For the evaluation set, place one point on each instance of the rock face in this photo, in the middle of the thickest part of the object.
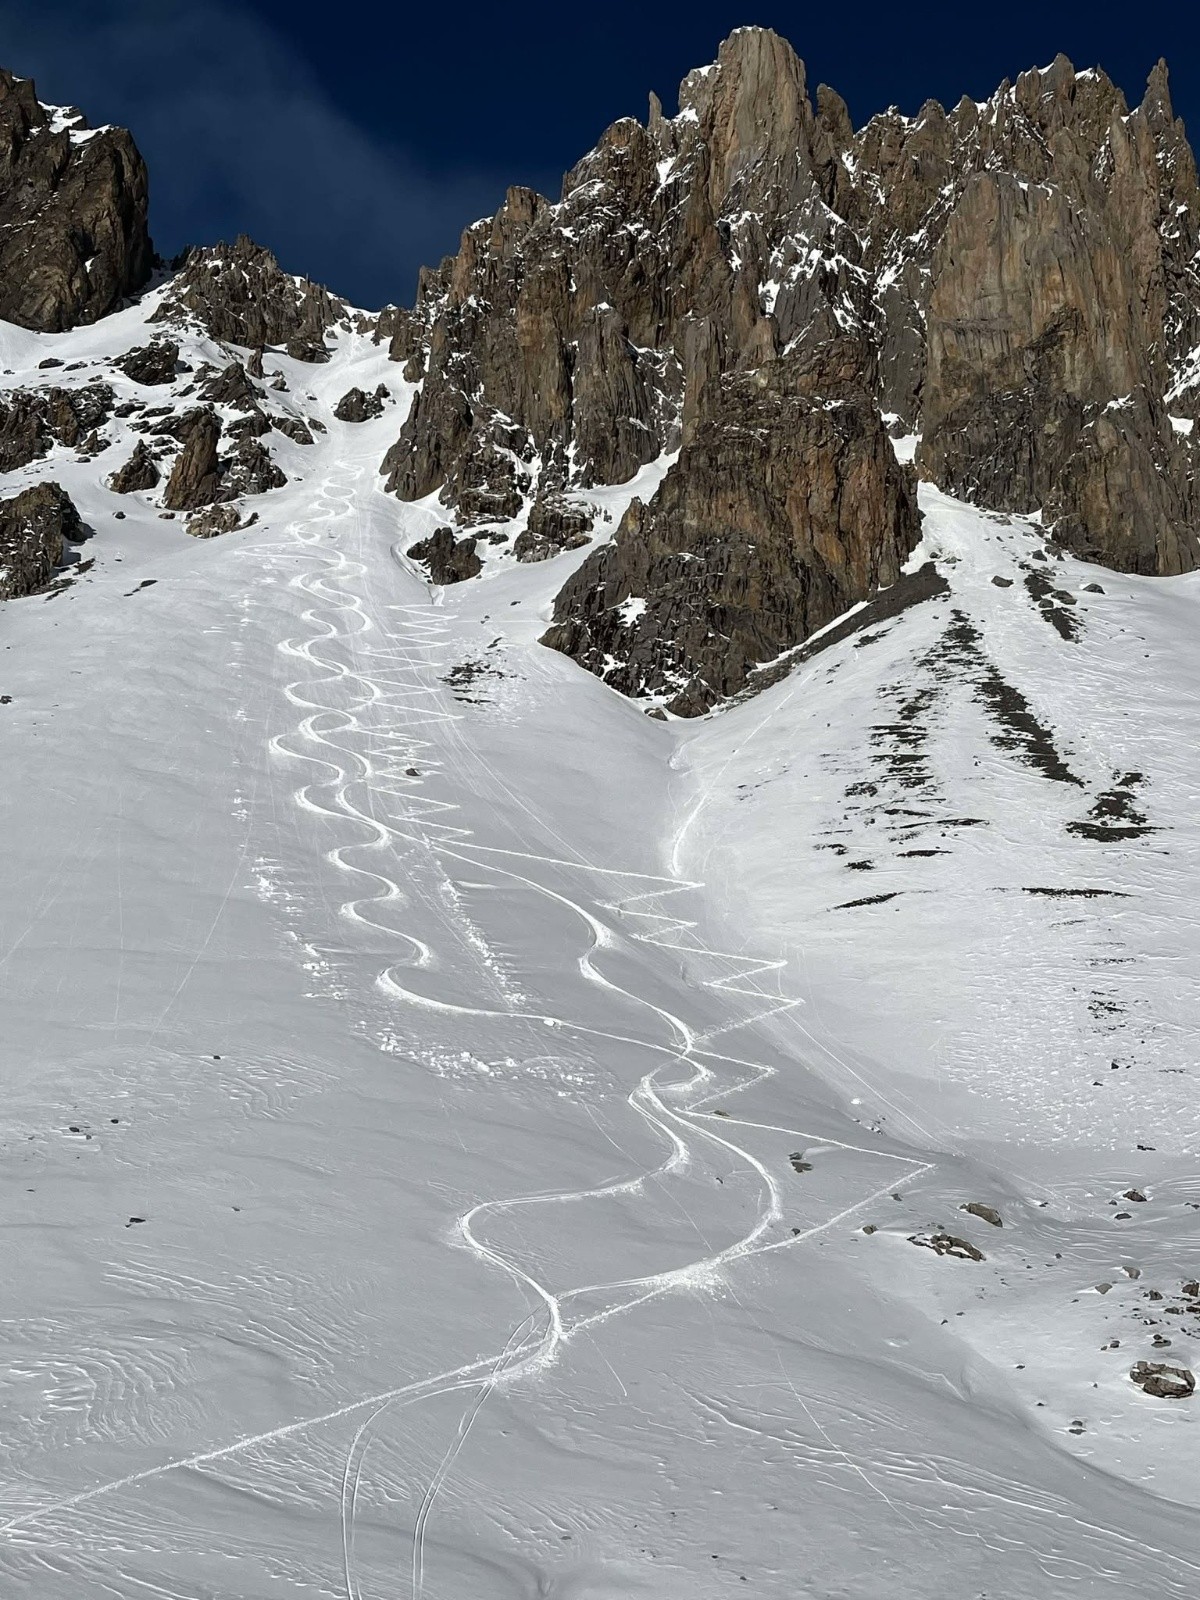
(449, 560)
(34, 420)
(34, 526)
(786, 507)
(195, 478)
(73, 205)
(1045, 377)
(139, 472)
(357, 406)
(241, 295)
(1020, 281)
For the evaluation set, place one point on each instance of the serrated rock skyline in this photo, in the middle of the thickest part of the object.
(759, 296)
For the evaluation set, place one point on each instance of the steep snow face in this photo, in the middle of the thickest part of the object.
(969, 836)
(443, 1120)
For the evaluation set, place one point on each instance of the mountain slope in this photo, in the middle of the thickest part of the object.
(467, 1137)
(502, 1104)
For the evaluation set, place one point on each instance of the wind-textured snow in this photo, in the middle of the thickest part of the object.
(445, 1107)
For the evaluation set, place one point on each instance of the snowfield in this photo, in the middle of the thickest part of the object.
(465, 1139)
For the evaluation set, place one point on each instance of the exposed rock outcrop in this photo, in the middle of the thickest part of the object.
(151, 364)
(34, 527)
(139, 472)
(202, 477)
(250, 470)
(554, 524)
(73, 203)
(231, 386)
(239, 293)
(33, 420)
(358, 406)
(785, 508)
(195, 478)
(1046, 378)
(1020, 278)
(293, 428)
(449, 560)
(214, 521)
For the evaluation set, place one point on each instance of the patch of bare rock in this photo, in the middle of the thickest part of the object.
(35, 528)
(358, 406)
(1163, 1381)
(74, 239)
(240, 295)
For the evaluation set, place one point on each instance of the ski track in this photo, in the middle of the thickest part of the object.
(439, 834)
(396, 677)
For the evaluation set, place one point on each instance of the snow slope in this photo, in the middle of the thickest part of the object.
(445, 1105)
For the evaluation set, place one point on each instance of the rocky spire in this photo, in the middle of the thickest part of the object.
(1018, 281)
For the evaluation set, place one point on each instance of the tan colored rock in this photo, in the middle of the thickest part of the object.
(1016, 278)
(1045, 339)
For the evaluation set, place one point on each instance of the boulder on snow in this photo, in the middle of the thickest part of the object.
(150, 364)
(358, 406)
(215, 520)
(1164, 1382)
(34, 526)
(449, 560)
(947, 1244)
(139, 472)
(293, 429)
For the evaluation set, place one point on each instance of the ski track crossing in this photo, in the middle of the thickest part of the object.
(374, 721)
(673, 1110)
(394, 677)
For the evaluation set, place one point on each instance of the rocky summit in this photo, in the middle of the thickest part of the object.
(770, 323)
(1009, 288)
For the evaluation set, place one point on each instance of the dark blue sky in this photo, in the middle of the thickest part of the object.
(357, 139)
